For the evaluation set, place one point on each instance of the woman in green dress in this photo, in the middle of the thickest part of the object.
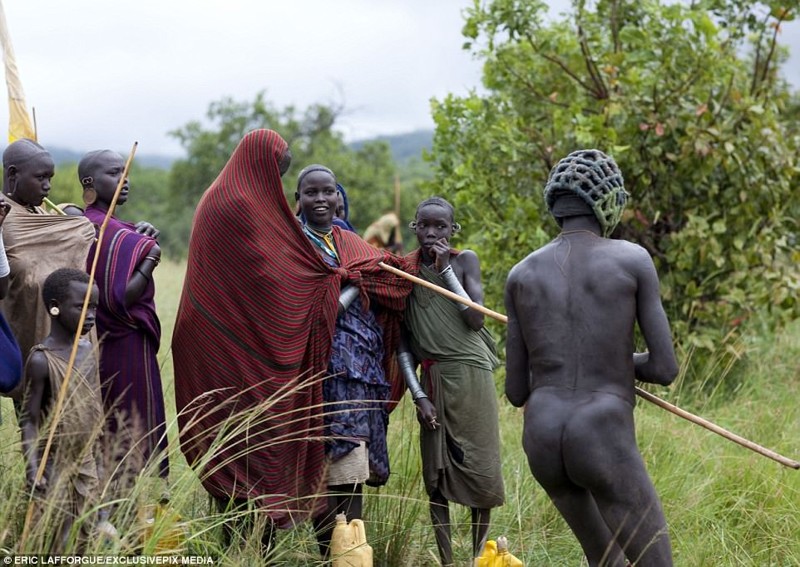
(457, 400)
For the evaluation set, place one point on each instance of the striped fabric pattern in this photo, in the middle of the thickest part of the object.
(130, 336)
(254, 330)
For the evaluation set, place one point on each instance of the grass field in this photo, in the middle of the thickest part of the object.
(725, 505)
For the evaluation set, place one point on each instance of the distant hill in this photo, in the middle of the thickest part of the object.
(66, 155)
(62, 155)
(404, 147)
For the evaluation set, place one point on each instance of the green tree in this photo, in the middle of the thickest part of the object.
(64, 187)
(148, 198)
(699, 130)
(367, 173)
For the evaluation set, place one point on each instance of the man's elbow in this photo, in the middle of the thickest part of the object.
(665, 374)
(516, 397)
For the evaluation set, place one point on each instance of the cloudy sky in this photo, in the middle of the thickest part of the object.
(106, 73)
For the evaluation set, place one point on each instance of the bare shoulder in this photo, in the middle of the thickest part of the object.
(36, 366)
(630, 248)
(633, 256)
(526, 267)
(466, 258)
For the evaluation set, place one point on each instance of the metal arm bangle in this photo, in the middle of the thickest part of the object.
(452, 283)
(347, 296)
(406, 362)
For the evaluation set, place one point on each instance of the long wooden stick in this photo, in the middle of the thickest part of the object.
(785, 461)
(446, 292)
(62, 392)
(397, 236)
(718, 430)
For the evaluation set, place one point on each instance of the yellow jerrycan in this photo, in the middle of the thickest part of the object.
(495, 554)
(349, 547)
(165, 524)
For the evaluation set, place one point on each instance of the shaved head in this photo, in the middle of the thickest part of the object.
(90, 162)
(21, 151)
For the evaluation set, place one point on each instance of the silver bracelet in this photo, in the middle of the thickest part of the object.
(347, 296)
(452, 283)
(406, 362)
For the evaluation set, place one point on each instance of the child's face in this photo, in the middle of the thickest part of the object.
(70, 309)
(433, 223)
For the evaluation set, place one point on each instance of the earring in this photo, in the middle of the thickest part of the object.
(456, 227)
(89, 196)
(412, 225)
(54, 311)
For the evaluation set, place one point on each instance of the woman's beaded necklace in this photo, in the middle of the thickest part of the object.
(324, 240)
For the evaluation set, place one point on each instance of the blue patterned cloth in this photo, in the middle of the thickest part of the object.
(356, 391)
(10, 358)
(345, 222)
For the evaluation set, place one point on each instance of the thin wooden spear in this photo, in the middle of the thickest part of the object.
(785, 461)
(62, 392)
(397, 234)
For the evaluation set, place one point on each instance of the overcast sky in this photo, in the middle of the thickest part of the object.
(105, 73)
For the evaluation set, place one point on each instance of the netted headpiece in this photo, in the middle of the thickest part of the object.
(595, 178)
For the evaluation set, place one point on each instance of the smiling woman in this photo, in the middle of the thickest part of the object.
(355, 428)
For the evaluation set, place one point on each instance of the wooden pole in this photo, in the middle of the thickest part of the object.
(446, 292)
(785, 461)
(718, 430)
(398, 237)
(62, 392)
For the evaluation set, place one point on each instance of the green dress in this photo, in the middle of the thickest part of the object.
(462, 457)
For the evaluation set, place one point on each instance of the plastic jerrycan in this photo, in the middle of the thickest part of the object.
(504, 558)
(349, 546)
(495, 554)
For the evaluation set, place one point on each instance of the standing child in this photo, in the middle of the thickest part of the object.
(127, 324)
(457, 400)
(572, 306)
(73, 474)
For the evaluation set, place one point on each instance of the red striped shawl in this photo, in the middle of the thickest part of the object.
(254, 326)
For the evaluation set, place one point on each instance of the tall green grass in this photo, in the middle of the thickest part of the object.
(725, 505)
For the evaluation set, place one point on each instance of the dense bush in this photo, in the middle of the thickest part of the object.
(685, 97)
